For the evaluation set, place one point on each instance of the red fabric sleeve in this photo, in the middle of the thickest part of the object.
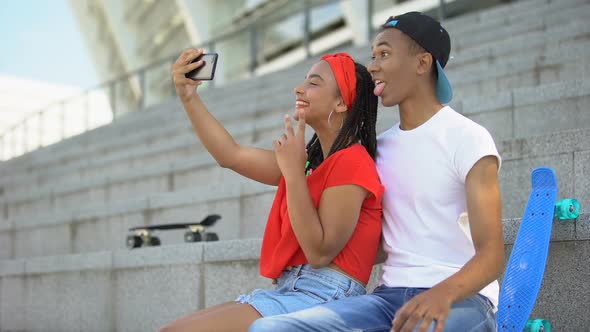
(355, 166)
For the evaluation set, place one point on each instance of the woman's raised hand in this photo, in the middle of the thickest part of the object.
(186, 87)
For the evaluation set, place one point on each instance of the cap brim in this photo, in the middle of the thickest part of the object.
(444, 91)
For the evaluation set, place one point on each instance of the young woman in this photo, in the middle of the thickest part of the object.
(324, 226)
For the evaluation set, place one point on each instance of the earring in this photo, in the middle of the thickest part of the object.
(330, 125)
(329, 116)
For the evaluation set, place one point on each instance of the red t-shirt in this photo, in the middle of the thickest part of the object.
(352, 165)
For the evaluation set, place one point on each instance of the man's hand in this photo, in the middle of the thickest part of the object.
(430, 306)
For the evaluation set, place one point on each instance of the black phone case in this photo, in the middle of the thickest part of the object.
(195, 71)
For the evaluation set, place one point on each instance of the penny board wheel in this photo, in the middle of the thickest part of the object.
(537, 325)
(211, 237)
(154, 241)
(568, 208)
(192, 237)
(134, 241)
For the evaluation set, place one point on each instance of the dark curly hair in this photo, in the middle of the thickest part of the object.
(359, 124)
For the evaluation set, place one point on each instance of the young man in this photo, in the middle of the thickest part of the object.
(435, 166)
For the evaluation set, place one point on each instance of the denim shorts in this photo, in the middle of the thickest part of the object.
(301, 288)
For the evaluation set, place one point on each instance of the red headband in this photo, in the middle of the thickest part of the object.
(343, 68)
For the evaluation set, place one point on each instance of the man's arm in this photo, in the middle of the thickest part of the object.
(484, 207)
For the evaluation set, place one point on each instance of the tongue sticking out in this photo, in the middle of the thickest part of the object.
(379, 89)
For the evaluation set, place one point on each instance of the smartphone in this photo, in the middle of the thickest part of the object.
(207, 71)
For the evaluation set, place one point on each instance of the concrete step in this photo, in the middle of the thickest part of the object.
(507, 116)
(567, 152)
(535, 19)
(524, 70)
(529, 111)
(160, 284)
(80, 226)
(243, 205)
(510, 13)
(76, 143)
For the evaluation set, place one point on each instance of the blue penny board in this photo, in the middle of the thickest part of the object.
(526, 265)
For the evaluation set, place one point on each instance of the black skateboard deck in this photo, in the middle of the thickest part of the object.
(143, 235)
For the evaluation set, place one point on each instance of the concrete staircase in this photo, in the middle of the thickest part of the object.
(521, 70)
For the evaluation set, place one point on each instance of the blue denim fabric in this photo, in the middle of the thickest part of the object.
(375, 312)
(301, 288)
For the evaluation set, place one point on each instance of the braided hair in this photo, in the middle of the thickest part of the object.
(359, 124)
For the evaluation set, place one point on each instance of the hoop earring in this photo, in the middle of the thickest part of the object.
(330, 125)
(329, 116)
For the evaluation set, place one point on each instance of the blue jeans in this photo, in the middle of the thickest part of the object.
(375, 312)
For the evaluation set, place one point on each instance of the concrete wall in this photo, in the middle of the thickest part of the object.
(244, 205)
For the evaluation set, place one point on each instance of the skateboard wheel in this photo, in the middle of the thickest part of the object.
(568, 208)
(134, 241)
(537, 325)
(155, 241)
(211, 237)
(192, 237)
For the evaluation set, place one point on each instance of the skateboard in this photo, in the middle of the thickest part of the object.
(143, 235)
(526, 266)
(565, 209)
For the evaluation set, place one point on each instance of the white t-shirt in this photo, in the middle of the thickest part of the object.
(424, 171)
